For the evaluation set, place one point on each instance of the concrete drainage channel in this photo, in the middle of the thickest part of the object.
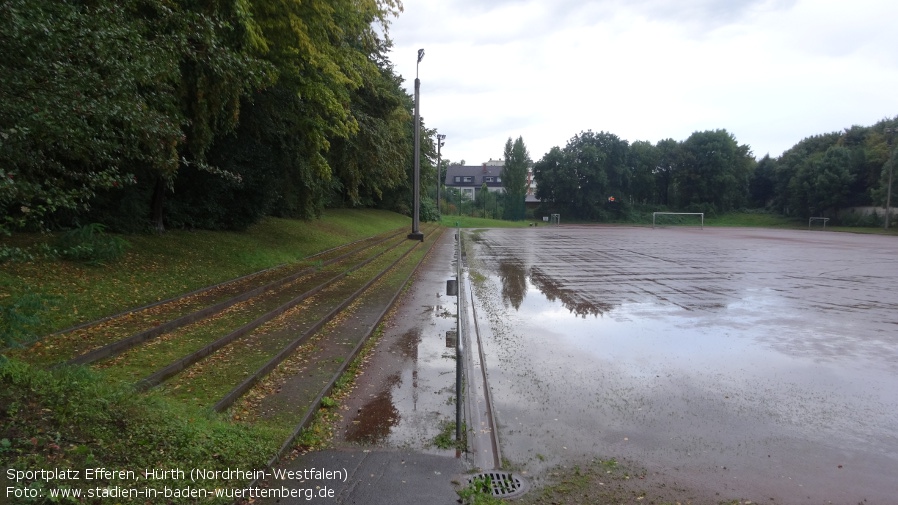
(482, 430)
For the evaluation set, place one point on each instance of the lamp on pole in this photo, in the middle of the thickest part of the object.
(889, 132)
(440, 139)
(416, 233)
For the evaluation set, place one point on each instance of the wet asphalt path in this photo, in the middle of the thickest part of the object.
(757, 364)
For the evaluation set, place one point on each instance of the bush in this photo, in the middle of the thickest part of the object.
(18, 315)
(428, 212)
(90, 244)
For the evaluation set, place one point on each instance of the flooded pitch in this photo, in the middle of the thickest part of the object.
(754, 363)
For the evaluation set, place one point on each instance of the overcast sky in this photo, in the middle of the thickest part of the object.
(771, 72)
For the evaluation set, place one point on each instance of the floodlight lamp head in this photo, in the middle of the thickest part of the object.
(420, 55)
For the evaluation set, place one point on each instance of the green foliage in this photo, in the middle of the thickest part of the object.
(80, 99)
(762, 185)
(578, 180)
(8, 253)
(127, 113)
(642, 162)
(373, 159)
(713, 169)
(94, 94)
(71, 418)
(428, 211)
(91, 245)
(20, 315)
(514, 178)
(479, 492)
(445, 439)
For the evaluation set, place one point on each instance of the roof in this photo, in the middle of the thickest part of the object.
(478, 172)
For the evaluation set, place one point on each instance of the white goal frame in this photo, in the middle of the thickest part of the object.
(702, 214)
(824, 219)
(555, 219)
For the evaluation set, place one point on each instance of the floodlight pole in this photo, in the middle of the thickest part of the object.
(440, 139)
(416, 205)
(889, 132)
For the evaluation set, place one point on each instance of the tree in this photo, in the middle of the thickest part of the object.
(373, 159)
(82, 100)
(514, 178)
(713, 170)
(823, 182)
(668, 160)
(555, 186)
(579, 179)
(763, 182)
(325, 50)
(788, 194)
(642, 162)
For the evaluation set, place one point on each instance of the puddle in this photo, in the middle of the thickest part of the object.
(374, 420)
(407, 392)
(697, 352)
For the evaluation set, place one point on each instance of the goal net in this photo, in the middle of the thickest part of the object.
(555, 219)
(675, 218)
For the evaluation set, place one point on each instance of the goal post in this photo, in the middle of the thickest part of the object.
(555, 219)
(702, 214)
(812, 219)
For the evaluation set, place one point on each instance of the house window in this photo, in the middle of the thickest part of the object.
(468, 179)
(457, 178)
(489, 179)
(498, 179)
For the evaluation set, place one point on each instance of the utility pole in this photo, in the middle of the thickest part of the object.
(416, 233)
(889, 132)
(440, 139)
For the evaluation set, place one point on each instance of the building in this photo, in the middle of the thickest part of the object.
(469, 179)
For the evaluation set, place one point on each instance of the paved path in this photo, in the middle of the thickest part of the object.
(385, 452)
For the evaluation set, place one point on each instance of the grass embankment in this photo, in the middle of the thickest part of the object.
(72, 418)
(157, 267)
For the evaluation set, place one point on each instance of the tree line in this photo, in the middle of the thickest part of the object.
(153, 114)
(599, 176)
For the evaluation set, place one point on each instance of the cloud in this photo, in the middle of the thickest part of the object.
(770, 71)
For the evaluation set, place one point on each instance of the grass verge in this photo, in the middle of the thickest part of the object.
(480, 222)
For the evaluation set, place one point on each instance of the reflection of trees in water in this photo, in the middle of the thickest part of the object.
(571, 301)
(514, 282)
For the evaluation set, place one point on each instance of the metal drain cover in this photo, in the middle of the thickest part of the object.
(501, 484)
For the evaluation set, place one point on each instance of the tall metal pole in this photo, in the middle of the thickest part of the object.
(416, 204)
(889, 132)
(440, 142)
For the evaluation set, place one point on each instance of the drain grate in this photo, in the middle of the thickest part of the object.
(499, 484)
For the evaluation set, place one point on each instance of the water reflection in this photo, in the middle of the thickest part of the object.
(514, 282)
(373, 422)
(572, 301)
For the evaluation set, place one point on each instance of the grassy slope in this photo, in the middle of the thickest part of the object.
(72, 418)
(157, 267)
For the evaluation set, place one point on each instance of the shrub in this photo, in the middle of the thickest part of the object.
(18, 315)
(90, 244)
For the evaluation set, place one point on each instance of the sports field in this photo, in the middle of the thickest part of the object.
(760, 364)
